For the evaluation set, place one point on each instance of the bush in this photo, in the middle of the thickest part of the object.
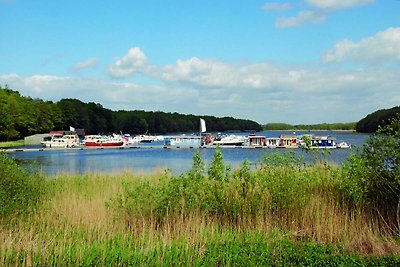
(20, 191)
(373, 176)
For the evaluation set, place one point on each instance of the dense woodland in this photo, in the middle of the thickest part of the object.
(22, 116)
(382, 117)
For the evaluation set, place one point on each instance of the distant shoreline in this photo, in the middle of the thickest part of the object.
(306, 130)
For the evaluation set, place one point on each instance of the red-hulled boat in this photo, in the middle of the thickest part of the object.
(101, 140)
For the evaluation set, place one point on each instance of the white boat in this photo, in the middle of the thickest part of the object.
(343, 145)
(60, 141)
(143, 138)
(229, 140)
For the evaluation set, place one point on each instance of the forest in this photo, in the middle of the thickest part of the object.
(382, 117)
(22, 116)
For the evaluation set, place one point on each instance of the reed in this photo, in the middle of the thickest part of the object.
(270, 215)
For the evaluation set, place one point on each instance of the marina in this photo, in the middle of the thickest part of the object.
(147, 157)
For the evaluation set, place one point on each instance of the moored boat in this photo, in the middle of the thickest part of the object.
(60, 141)
(229, 140)
(103, 140)
(343, 145)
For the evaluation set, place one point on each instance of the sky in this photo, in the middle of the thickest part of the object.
(297, 62)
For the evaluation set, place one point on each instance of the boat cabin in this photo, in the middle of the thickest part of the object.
(254, 140)
(183, 140)
(288, 141)
(272, 142)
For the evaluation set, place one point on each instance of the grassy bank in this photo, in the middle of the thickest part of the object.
(12, 143)
(283, 212)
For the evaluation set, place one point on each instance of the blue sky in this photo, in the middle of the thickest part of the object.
(308, 61)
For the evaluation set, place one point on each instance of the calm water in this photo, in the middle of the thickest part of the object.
(176, 160)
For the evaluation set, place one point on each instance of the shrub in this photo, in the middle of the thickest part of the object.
(20, 191)
(218, 170)
(372, 177)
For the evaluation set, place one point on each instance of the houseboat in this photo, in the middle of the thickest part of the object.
(256, 141)
(288, 141)
(182, 141)
(323, 142)
(272, 142)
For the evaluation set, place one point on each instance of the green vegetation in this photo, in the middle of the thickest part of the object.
(22, 116)
(283, 211)
(373, 176)
(12, 143)
(381, 118)
(323, 126)
(20, 192)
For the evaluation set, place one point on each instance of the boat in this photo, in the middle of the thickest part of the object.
(323, 142)
(142, 138)
(103, 140)
(229, 140)
(182, 141)
(343, 145)
(60, 141)
(287, 141)
(256, 141)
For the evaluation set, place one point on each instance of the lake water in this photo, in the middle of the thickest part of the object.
(176, 160)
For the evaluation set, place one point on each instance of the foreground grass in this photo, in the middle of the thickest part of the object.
(117, 220)
(12, 143)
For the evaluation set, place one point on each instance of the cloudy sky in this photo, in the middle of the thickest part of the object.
(309, 61)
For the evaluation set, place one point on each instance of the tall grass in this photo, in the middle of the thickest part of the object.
(274, 214)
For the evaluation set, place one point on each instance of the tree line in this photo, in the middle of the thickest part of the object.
(379, 118)
(21, 116)
(321, 126)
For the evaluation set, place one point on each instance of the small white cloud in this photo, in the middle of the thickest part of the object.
(135, 60)
(382, 47)
(302, 18)
(89, 63)
(274, 6)
(318, 11)
(337, 4)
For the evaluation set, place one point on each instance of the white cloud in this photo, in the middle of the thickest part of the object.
(89, 63)
(264, 92)
(319, 11)
(134, 61)
(301, 18)
(382, 47)
(274, 6)
(338, 4)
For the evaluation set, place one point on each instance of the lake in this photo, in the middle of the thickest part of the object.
(176, 160)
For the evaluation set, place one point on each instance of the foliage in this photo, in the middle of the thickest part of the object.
(280, 184)
(299, 127)
(198, 167)
(217, 169)
(20, 191)
(373, 176)
(382, 117)
(22, 116)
